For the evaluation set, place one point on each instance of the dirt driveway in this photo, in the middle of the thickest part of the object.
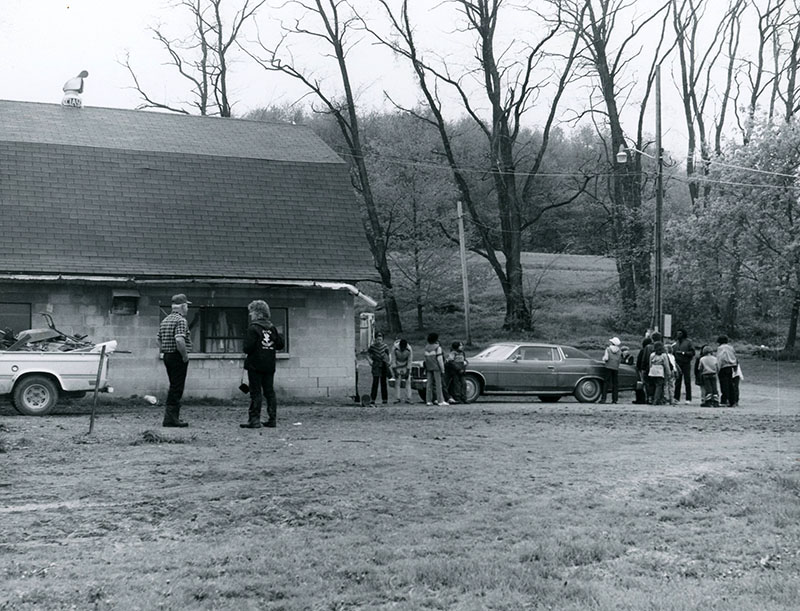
(137, 516)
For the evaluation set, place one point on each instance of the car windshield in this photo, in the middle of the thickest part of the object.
(497, 352)
(574, 353)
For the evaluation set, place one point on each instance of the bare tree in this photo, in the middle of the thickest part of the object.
(202, 58)
(508, 88)
(609, 49)
(789, 93)
(698, 81)
(759, 76)
(333, 24)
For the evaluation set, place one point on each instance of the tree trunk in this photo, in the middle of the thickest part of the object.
(518, 315)
(731, 307)
(791, 336)
(417, 271)
(633, 262)
(390, 305)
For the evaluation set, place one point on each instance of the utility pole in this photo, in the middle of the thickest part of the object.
(464, 281)
(658, 303)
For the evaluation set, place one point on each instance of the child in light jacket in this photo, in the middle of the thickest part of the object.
(402, 356)
(658, 372)
(708, 368)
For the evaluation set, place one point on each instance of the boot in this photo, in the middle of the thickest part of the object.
(272, 414)
(172, 417)
(253, 417)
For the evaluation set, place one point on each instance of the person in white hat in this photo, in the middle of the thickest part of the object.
(611, 359)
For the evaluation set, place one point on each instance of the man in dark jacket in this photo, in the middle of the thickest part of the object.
(642, 365)
(684, 353)
(261, 342)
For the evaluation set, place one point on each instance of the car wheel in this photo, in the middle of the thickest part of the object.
(549, 398)
(35, 396)
(588, 390)
(472, 388)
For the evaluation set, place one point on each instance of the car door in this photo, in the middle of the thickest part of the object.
(575, 366)
(529, 368)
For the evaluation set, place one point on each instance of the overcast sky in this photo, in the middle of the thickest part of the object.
(45, 42)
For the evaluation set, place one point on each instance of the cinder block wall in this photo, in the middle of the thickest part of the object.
(320, 362)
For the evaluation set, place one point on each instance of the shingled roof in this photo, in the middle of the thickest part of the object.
(100, 191)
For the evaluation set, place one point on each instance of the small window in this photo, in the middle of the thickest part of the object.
(574, 353)
(124, 303)
(15, 316)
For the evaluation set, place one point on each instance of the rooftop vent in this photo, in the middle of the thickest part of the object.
(73, 89)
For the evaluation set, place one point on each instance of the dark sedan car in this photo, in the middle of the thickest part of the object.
(548, 371)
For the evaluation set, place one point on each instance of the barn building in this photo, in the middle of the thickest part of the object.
(107, 213)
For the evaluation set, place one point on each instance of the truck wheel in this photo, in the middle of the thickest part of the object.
(35, 396)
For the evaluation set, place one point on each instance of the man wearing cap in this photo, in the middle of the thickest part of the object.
(611, 359)
(175, 342)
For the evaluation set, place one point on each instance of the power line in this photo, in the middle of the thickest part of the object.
(474, 170)
(713, 181)
(741, 167)
(465, 169)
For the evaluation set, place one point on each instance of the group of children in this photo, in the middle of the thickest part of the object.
(445, 372)
(662, 375)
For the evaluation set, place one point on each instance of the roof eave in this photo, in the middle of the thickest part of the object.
(133, 280)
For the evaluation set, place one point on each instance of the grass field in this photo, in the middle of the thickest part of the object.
(574, 299)
(495, 505)
(571, 297)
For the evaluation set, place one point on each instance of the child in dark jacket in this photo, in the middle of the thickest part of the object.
(454, 367)
(379, 359)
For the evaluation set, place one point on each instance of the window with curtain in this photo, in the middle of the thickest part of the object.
(221, 330)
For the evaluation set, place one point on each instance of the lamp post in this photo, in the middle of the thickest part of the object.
(657, 320)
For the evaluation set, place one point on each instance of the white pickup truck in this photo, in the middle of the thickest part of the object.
(43, 364)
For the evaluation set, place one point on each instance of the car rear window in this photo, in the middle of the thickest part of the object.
(574, 353)
(497, 352)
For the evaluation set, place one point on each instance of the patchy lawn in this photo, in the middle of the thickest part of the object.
(495, 505)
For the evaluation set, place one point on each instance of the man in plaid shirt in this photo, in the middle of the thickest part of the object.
(175, 341)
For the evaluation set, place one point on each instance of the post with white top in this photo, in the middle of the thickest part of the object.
(464, 280)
